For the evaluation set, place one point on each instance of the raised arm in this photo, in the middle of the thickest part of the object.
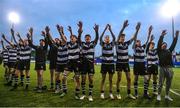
(4, 37)
(2, 43)
(80, 25)
(70, 30)
(148, 45)
(101, 41)
(122, 29)
(136, 33)
(19, 36)
(30, 41)
(46, 43)
(149, 35)
(161, 39)
(61, 33)
(43, 33)
(13, 36)
(31, 33)
(96, 29)
(48, 35)
(112, 34)
(173, 45)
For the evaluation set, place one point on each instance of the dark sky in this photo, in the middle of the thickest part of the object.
(39, 13)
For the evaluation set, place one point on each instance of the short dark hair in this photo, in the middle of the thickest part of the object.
(152, 43)
(74, 36)
(138, 41)
(57, 39)
(42, 40)
(87, 35)
(123, 34)
(164, 43)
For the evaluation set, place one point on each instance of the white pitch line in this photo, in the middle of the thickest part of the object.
(172, 91)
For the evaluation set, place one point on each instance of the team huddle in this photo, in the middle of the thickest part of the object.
(78, 56)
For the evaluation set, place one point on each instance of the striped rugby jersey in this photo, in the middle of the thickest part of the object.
(107, 53)
(139, 54)
(5, 55)
(62, 54)
(73, 51)
(12, 55)
(152, 57)
(122, 51)
(88, 50)
(24, 53)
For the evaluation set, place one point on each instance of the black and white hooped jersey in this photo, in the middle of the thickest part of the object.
(62, 54)
(152, 57)
(12, 55)
(24, 53)
(73, 51)
(88, 50)
(139, 54)
(107, 53)
(5, 55)
(122, 51)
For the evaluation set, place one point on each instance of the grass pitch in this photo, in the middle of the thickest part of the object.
(29, 98)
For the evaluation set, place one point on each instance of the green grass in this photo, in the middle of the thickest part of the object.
(23, 98)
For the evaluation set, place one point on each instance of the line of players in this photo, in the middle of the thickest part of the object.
(78, 56)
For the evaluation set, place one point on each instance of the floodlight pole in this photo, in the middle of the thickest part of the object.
(172, 26)
(173, 35)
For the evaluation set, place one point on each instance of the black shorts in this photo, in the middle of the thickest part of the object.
(139, 68)
(23, 65)
(40, 66)
(88, 67)
(122, 67)
(12, 64)
(61, 67)
(107, 68)
(80, 66)
(152, 69)
(52, 64)
(72, 66)
(5, 64)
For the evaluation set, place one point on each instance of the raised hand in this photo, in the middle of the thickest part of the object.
(69, 28)
(109, 27)
(47, 29)
(58, 27)
(150, 29)
(177, 33)
(18, 35)
(96, 28)
(61, 29)
(43, 33)
(12, 31)
(28, 35)
(31, 31)
(3, 36)
(80, 25)
(164, 32)
(152, 37)
(138, 26)
(2, 42)
(125, 24)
